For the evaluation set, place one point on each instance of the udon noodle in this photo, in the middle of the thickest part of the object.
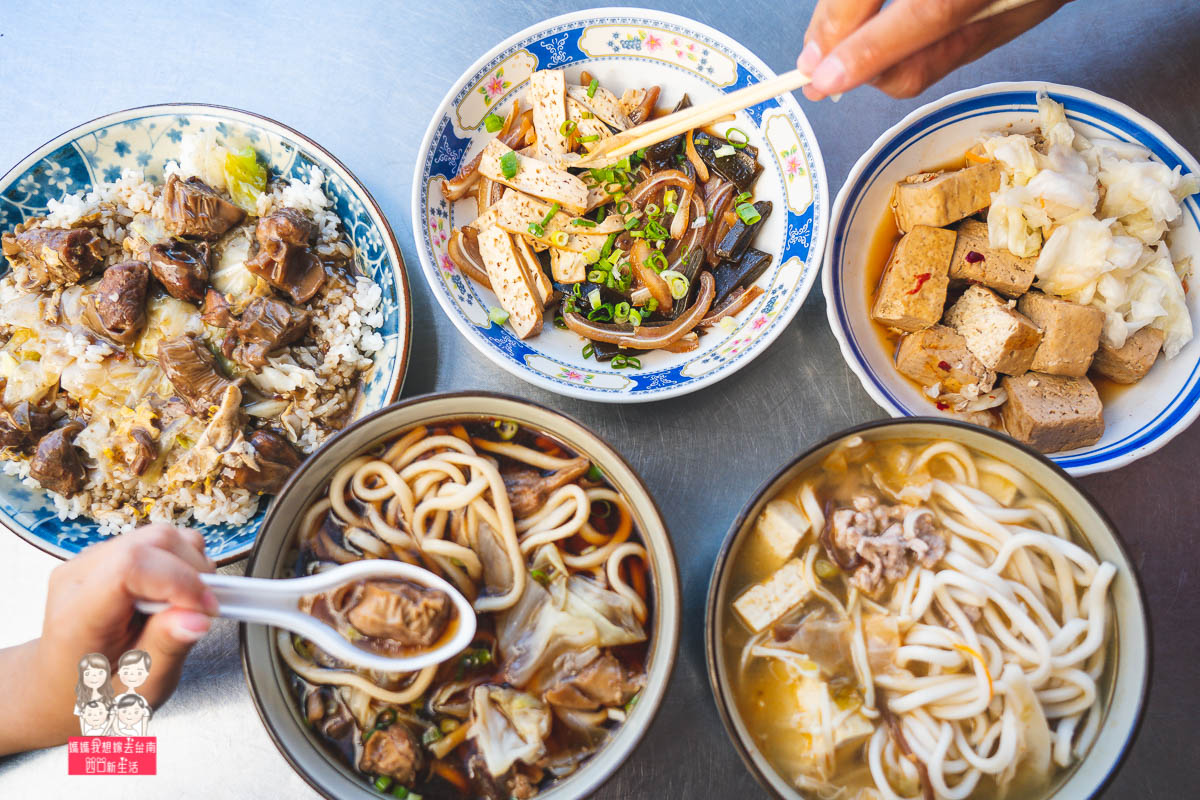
(547, 553)
(928, 624)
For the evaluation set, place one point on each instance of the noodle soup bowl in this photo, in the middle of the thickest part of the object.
(276, 550)
(1122, 687)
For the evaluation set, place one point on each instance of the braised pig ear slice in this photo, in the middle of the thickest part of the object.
(56, 464)
(266, 326)
(193, 208)
(193, 372)
(116, 308)
(182, 268)
(52, 257)
(22, 426)
(284, 258)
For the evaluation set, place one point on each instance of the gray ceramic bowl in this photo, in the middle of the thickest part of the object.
(274, 551)
(1131, 643)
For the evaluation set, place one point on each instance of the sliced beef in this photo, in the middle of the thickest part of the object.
(284, 258)
(182, 268)
(22, 426)
(528, 489)
(266, 326)
(193, 208)
(216, 310)
(602, 683)
(193, 372)
(397, 610)
(276, 461)
(869, 541)
(52, 257)
(56, 464)
(392, 751)
(116, 308)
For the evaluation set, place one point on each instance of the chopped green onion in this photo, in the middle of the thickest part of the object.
(535, 229)
(614, 188)
(430, 736)
(539, 576)
(554, 209)
(653, 210)
(702, 140)
(632, 702)
(623, 165)
(826, 570)
(592, 87)
(621, 361)
(621, 312)
(493, 123)
(594, 473)
(631, 223)
(559, 322)
(741, 198)
(383, 783)
(506, 428)
(567, 128)
(498, 315)
(669, 197)
(656, 261)
(738, 143)
(403, 793)
(594, 297)
(596, 276)
(624, 207)
(651, 305)
(583, 223)
(588, 115)
(509, 164)
(588, 349)
(592, 137)
(601, 214)
(748, 213)
(635, 317)
(641, 154)
(680, 158)
(672, 208)
(602, 313)
(656, 231)
(724, 150)
(608, 245)
(591, 255)
(559, 238)
(677, 282)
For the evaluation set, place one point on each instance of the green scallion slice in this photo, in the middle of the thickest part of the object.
(748, 214)
(493, 123)
(509, 164)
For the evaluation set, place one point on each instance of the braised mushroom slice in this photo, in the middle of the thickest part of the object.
(52, 257)
(528, 488)
(193, 208)
(403, 612)
(182, 268)
(284, 258)
(116, 307)
(146, 450)
(391, 751)
(56, 464)
(22, 426)
(193, 372)
(276, 460)
(266, 326)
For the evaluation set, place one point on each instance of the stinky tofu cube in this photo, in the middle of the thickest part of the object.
(938, 356)
(782, 527)
(940, 198)
(1070, 333)
(975, 261)
(1000, 337)
(1052, 412)
(764, 603)
(1131, 362)
(912, 291)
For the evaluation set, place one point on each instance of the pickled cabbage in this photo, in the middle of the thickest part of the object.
(245, 177)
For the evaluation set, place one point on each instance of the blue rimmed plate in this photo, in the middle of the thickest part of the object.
(626, 48)
(1138, 419)
(146, 138)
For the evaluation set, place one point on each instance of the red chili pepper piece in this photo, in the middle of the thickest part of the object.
(924, 276)
(944, 366)
(974, 257)
(942, 406)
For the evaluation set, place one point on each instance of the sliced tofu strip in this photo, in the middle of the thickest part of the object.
(604, 104)
(516, 212)
(547, 93)
(533, 268)
(764, 603)
(567, 267)
(535, 177)
(782, 527)
(510, 282)
(586, 124)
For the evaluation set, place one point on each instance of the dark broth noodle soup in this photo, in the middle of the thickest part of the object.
(548, 554)
(915, 619)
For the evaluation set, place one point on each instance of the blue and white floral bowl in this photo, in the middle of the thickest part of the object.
(624, 48)
(1138, 419)
(146, 138)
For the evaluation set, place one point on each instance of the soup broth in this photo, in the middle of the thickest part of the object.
(916, 619)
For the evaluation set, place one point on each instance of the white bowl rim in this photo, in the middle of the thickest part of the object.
(864, 373)
(821, 219)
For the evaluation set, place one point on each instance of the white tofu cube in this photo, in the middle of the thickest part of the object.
(765, 602)
(782, 527)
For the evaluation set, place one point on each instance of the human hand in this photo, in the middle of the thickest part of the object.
(908, 45)
(90, 609)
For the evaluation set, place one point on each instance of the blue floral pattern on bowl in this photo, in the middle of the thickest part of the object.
(145, 139)
(637, 49)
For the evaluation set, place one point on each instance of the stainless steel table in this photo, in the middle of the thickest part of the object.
(363, 79)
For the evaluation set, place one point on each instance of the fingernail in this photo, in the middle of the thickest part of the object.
(210, 603)
(810, 56)
(830, 76)
(189, 626)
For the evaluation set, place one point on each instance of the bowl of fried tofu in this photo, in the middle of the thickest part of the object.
(1017, 256)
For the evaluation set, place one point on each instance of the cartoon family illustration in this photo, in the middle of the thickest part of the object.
(102, 714)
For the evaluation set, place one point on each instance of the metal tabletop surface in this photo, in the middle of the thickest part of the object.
(363, 80)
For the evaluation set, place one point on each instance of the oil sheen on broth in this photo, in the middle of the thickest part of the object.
(915, 618)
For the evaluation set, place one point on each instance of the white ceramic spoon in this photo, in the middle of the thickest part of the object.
(270, 601)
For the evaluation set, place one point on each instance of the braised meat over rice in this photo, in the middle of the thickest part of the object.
(170, 350)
